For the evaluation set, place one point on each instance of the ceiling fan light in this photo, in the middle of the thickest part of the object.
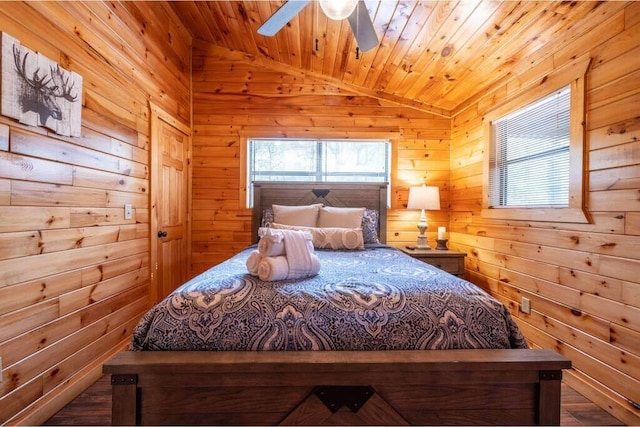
(338, 9)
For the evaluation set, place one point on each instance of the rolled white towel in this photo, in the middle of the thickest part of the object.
(253, 261)
(271, 245)
(273, 268)
(271, 242)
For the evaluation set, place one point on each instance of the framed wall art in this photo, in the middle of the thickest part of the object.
(38, 92)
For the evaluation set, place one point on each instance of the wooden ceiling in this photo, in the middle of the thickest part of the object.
(433, 54)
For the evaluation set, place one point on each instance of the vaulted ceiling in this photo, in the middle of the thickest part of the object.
(433, 54)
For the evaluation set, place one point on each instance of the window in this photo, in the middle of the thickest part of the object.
(529, 164)
(534, 169)
(322, 160)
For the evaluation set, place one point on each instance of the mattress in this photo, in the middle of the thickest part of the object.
(373, 299)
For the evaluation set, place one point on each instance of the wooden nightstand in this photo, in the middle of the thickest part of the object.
(449, 261)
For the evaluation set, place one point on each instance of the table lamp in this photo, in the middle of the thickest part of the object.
(423, 198)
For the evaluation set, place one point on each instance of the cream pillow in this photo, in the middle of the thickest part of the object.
(297, 215)
(331, 237)
(330, 216)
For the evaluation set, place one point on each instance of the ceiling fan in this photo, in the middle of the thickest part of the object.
(353, 10)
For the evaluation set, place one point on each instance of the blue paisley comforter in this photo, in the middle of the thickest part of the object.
(376, 299)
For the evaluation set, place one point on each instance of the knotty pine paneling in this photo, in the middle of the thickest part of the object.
(233, 98)
(582, 279)
(435, 55)
(74, 274)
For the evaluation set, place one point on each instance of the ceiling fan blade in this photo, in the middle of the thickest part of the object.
(362, 27)
(280, 17)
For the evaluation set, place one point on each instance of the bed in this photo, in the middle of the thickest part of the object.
(376, 338)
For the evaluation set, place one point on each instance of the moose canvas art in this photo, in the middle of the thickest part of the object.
(36, 91)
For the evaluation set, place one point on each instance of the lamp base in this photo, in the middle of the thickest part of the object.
(422, 242)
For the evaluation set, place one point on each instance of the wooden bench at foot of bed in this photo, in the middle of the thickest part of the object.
(443, 387)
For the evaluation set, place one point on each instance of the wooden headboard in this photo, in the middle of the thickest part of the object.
(357, 195)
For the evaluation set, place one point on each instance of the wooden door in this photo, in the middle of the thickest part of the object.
(170, 193)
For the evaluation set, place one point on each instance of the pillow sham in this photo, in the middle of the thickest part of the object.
(370, 226)
(330, 237)
(306, 215)
(330, 216)
(267, 217)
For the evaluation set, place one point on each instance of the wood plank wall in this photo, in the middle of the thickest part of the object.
(583, 280)
(74, 274)
(235, 98)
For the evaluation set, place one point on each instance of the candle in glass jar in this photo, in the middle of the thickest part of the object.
(441, 231)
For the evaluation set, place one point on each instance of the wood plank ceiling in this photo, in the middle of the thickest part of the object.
(433, 55)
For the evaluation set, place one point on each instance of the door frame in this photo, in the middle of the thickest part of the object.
(158, 115)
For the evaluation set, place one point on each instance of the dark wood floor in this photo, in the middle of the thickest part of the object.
(93, 408)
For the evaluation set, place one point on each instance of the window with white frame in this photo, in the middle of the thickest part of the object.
(534, 152)
(529, 164)
(323, 160)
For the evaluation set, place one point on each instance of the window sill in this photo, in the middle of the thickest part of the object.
(572, 215)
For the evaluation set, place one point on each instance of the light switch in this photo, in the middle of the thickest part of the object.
(128, 211)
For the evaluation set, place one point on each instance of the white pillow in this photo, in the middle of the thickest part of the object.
(340, 217)
(330, 238)
(296, 215)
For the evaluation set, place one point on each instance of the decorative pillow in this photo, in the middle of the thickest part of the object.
(370, 226)
(267, 217)
(330, 238)
(306, 216)
(340, 217)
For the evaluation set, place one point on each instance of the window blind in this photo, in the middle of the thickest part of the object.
(529, 160)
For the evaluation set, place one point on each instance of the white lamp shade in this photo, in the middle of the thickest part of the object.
(427, 198)
(338, 9)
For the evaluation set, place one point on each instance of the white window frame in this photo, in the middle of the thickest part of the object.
(572, 75)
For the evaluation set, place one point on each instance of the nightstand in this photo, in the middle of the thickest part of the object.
(449, 261)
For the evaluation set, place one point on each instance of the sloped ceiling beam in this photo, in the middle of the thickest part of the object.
(227, 54)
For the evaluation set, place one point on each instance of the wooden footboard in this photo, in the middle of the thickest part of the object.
(512, 387)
